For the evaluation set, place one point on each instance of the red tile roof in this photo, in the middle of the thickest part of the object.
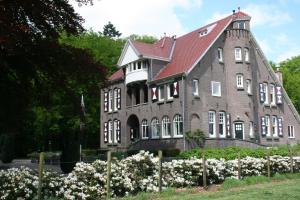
(188, 49)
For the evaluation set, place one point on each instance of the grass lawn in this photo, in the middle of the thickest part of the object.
(280, 187)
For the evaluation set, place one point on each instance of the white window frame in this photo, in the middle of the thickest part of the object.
(195, 87)
(251, 127)
(161, 90)
(110, 131)
(155, 128)
(240, 81)
(238, 53)
(165, 127)
(266, 91)
(110, 101)
(169, 85)
(220, 54)
(213, 93)
(249, 86)
(268, 130)
(115, 99)
(291, 132)
(177, 123)
(212, 120)
(115, 131)
(247, 55)
(145, 130)
(272, 95)
(274, 126)
(222, 122)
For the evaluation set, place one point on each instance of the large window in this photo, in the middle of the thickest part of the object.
(115, 99)
(222, 124)
(220, 54)
(268, 132)
(161, 93)
(238, 54)
(212, 123)
(170, 90)
(115, 131)
(246, 50)
(178, 125)
(166, 127)
(145, 132)
(291, 132)
(155, 128)
(196, 87)
(266, 93)
(249, 86)
(110, 101)
(216, 88)
(240, 81)
(274, 126)
(110, 131)
(272, 95)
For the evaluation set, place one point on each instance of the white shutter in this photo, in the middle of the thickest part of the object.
(119, 131)
(263, 126)
(154, 93)
(105, 102)
(278, 95)
(119, 99)
(280, 127)
(105, 132)
(176, 89)
(228, 125)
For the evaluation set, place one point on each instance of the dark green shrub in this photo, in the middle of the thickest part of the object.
(197, 136)
(7, 148)
(70, 154)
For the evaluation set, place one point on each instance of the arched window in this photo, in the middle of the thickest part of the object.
(177, 125)
(166, 127)
(155, 128)
(145, 132)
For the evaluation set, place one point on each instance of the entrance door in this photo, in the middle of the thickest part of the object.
(239, 130)
(133, 127)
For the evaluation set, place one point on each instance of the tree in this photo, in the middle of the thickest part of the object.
(109, 30)
(36, 70)
(144, 38)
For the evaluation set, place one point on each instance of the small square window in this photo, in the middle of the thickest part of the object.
(238, 54)
(195, 87)
(216, 89)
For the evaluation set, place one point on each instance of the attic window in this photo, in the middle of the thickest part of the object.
(206, 30)
(241, 25)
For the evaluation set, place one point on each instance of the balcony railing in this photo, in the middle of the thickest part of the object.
(136, 75)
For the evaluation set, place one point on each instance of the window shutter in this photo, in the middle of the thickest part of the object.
(278, 94)
(228, 123)
(105, 133)
(261, 92)
(119, 99)
(263, 126)
(119, 131)
(176, 89)
(280, 127)
(105, 101)
(154, 93)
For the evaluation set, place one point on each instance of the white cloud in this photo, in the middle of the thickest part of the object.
(265, 46)
(151, 17)
(295, 51)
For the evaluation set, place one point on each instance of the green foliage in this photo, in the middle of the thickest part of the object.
(229, 153)
(144, 38)
(198, 136)
(7, 148)
(47, 155)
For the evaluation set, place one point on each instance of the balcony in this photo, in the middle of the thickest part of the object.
(136, 75)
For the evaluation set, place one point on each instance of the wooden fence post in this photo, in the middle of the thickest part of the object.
(291, 161)
(239, 166)
(108, 174)
(160, 170)
(204, 172)
(41, 170)
(269, 165)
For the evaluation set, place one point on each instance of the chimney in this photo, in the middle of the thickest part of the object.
(278, 73)
(233, 12)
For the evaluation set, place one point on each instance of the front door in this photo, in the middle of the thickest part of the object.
(239, 130)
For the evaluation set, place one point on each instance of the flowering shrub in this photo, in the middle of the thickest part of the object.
(131, 175)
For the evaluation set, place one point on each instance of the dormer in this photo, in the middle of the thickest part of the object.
(241, 21)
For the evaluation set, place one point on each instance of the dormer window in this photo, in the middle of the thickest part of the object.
(241, 25)
(206, 30)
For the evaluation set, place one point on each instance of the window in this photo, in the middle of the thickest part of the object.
(251, 135)
(155, 128)
(166, 127)
(241, 25)
(274, 126)
(178, 125)
(196, 87)
(272, 95)
(240, 81)
(238, 54)
(268, 126)
(139, 65)
(215, 88)
(110, 132)
(145, 133)
(145, 91)
(249, 86)
(115, 99)
(115, 130)
(170, 91)
(220, 54)
(110, 101)
(266, 93)
(161, 93)
(291, 131)
(212, 123)
(222, 125)
(246, 50)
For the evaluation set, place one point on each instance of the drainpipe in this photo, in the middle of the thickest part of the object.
(183, 110)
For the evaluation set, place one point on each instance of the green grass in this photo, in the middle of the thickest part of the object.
(286, 186)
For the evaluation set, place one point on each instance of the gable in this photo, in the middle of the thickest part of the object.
(128, 55)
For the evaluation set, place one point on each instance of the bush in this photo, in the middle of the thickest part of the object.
(70, 156)
(7, 148)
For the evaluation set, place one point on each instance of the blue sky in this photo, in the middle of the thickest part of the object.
(274, 23)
